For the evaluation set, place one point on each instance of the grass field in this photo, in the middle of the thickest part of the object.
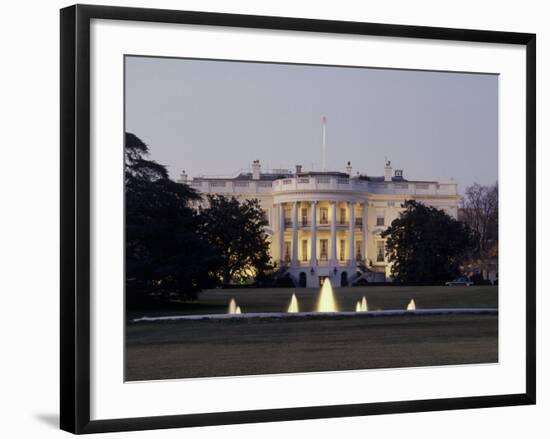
(185, 349)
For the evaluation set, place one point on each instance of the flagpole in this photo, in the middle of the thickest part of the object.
(324, 143)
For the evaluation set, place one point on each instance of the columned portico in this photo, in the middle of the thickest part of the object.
(302, 232)
(320, 238)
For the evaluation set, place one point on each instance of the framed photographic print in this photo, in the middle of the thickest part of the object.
(274, 218)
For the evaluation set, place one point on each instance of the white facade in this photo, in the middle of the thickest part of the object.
(328, 224)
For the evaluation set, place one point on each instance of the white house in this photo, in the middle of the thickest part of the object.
(328, 224)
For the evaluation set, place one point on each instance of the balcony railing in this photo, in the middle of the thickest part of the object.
(229, 185)
(307, 223)
(345, 184)
(324, 262)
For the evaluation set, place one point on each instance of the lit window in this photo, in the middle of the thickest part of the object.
(287, 251)
(358, 254)
(342, 215)
(304, 216)
(380, 247)
(323, 211)
(287, 217)
(324, 249)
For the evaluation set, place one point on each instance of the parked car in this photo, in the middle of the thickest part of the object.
(462, 280)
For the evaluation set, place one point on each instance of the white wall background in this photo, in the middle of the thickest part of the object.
(29, 201)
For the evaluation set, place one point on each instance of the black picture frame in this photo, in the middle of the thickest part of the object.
(75, 217)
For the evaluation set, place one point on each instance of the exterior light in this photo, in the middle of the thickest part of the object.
(312, 271)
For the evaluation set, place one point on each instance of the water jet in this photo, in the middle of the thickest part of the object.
(293, 306)
(232, 306)
(364, 306)
(327, 302)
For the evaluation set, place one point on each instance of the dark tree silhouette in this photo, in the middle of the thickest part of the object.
(235, 229)
(426, 245)
(165, 255)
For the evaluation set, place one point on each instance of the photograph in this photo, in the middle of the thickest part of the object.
(275, 219)
(298, 218)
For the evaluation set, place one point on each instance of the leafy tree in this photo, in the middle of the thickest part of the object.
(426, 245)
(235, 230)
(165, 255)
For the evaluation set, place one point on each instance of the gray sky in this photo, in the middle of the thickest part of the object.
(215, 117)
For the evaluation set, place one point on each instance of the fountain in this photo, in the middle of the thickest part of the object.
(293, 306)
(326, 302)
(232, 306)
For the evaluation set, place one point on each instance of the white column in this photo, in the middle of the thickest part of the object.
(295, 233)
(281, 232)
(364, 249)
(333, 260)
(351, 206)
(313, 256)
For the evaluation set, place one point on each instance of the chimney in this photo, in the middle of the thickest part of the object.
(256, 170)
(388, 171)
(298, 169)
(183, 177)
(348, 169)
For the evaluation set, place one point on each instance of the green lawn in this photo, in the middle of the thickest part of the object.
(187, 349)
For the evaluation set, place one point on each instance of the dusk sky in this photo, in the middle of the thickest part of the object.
(215, 117)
